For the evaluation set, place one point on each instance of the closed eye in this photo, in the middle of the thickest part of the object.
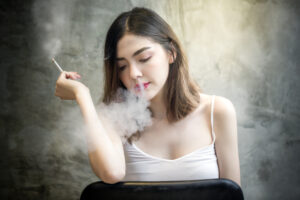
(121, 68)
(145, 60)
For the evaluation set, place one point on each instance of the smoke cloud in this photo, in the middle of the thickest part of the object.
(52, 20)
(128, 114)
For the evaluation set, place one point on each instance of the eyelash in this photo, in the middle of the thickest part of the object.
(142, 60)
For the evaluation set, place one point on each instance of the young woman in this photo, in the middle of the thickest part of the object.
(193, 135)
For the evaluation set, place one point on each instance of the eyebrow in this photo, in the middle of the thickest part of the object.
(135, 53)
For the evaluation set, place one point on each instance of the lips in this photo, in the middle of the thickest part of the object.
(146, 85)
(137, 86)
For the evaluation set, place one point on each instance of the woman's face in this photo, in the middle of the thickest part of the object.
(140, 59)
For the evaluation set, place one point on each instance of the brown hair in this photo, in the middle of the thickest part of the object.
(181, 92)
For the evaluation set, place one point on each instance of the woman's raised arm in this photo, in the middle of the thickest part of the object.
(106, 152)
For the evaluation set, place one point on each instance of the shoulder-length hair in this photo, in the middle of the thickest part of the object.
(182, 93)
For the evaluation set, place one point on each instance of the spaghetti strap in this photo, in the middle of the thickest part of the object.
(212, 118)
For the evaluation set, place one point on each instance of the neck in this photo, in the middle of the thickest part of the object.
(158, 108)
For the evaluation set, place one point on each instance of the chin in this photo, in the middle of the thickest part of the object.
(148, 95)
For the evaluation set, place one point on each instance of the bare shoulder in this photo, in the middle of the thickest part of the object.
(223, 108)
(224, 115)
(223, 111)
(221, 104)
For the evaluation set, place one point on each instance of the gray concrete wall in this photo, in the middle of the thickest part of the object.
(245, 50)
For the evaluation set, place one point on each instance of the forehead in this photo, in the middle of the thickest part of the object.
(129, 43)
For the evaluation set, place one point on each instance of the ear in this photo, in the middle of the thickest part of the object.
(172, 56)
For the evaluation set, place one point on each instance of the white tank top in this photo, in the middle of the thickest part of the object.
(197, 165)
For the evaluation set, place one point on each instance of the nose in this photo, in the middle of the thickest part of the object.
(135, 72)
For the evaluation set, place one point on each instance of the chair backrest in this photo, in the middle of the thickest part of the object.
(212, 189)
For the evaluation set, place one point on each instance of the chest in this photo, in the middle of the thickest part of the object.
(172, 141)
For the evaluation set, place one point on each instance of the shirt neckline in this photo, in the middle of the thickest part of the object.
(173, 160)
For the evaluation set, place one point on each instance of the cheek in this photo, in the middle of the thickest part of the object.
(124, 79)
(159, 68)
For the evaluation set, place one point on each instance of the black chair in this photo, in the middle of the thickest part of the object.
(212, 189)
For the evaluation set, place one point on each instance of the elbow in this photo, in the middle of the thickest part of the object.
(113, 177)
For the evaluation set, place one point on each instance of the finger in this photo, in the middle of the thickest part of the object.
(75, 76)
(63, 75)
(78, 76)
(76, 73)
(70, 75)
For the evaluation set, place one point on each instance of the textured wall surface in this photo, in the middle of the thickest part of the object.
(245, 50)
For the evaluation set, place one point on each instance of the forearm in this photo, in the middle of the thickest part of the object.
(105, 159)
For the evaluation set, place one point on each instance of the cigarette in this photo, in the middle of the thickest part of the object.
(57, 65)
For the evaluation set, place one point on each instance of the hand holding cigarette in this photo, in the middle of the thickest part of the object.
(72, 75)
(68, 89)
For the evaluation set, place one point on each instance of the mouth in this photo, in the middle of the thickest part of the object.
(145, 85)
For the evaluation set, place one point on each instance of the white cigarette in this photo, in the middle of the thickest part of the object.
(57, 65)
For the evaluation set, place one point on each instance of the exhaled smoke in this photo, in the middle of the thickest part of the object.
(52, 47)
(51, 18)
(127, 114)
